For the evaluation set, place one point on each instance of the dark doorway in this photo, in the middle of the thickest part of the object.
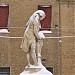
(46, 22)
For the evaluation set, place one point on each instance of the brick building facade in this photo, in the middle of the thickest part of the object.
(59, 55)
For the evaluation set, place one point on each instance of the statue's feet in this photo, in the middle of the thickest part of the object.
(35, 64)
(29, 65)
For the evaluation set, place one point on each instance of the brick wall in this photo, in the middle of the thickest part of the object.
(59, 55)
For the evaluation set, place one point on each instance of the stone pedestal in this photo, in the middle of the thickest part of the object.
(36, 70)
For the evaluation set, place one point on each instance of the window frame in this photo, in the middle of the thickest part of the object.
(5, 29)
(43, 7)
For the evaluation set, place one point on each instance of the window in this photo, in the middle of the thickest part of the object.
(4, 16)
(4, 70)
(50, 69)
(46, 22)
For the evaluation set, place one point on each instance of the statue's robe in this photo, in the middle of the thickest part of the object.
(31, 33)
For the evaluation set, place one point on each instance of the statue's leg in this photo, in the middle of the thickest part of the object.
(33, 53)
(39, 47)
(28, 58)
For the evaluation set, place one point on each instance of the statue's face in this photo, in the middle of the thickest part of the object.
(42, 16)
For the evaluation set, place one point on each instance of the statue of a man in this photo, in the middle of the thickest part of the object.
(31, 35)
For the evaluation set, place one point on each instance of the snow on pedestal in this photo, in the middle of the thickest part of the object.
(36, 70)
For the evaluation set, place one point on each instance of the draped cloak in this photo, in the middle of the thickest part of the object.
(31, 33)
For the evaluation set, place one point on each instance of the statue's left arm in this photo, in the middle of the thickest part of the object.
(36, 26)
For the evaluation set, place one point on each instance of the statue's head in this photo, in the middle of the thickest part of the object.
(41, 14)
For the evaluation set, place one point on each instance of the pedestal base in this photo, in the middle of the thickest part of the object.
(39, 70)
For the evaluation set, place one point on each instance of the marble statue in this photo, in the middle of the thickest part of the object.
(32, 38)
(32, 43)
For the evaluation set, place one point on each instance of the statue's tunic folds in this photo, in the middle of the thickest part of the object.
(31, 33)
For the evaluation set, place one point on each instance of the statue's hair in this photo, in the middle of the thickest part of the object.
(41, 13)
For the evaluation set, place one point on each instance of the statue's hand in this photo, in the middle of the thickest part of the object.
(41, 35)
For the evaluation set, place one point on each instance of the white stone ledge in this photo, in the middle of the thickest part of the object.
(46, 31)
(4, 31)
